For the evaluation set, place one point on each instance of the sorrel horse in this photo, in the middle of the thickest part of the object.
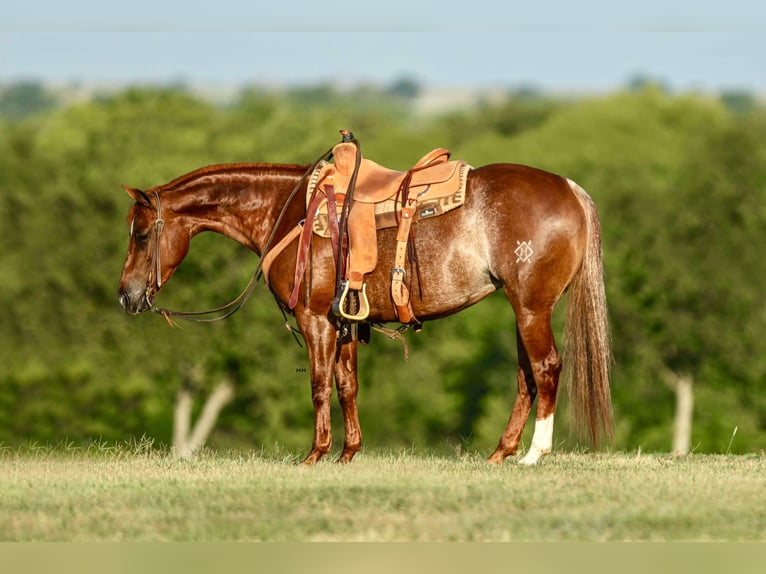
(531, 233)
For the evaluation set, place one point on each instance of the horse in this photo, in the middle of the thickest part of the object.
(529, 232)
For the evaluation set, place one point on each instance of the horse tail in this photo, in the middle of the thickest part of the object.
(587, 349)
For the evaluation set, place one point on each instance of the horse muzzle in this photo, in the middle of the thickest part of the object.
(134, 303)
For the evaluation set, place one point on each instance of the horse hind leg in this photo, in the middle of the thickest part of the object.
(545, 363)
(522, 406)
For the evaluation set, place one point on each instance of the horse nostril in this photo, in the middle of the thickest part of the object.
(124, 300)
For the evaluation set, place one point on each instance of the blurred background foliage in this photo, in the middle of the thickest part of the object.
(679, 180)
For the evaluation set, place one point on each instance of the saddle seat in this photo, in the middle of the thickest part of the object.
(375, 183)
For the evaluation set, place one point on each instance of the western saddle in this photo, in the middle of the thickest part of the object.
(363, 196)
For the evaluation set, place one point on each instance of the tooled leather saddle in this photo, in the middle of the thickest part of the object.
(380, 198)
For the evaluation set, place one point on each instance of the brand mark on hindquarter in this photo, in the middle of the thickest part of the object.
(523, 251)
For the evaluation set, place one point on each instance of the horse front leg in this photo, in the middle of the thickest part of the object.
(347, 383)
(320, 336)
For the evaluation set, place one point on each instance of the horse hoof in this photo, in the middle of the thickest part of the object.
(496, 457)
(532, 457)
(313, 458)
(348, 454)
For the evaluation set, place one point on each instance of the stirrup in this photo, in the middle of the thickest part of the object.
(352, 303)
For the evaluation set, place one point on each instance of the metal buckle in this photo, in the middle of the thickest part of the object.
(396, 270)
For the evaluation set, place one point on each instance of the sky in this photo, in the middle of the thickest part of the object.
(592, 45)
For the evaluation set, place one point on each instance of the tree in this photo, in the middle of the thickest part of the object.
(188, 439)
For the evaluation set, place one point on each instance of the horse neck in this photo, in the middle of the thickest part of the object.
(240, 201)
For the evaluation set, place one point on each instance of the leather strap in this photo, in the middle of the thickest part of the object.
(303, 251)
(345, 150)
(332, 218)
(272, 254)
(159, 225)
(399, 292)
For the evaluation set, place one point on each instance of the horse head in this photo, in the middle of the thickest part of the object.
(157, 244)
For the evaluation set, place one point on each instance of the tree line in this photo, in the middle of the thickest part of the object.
(679, 181)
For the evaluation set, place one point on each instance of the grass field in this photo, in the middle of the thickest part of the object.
(135, 494)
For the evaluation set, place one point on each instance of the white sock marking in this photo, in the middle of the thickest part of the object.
(542, 441)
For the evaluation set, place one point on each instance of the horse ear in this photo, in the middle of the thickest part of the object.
(138, 195)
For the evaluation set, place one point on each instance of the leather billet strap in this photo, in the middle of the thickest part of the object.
(399, 292)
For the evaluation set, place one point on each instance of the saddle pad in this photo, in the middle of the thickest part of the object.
(433, 200)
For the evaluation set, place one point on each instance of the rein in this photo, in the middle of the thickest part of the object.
(227, 310)
(343, 220)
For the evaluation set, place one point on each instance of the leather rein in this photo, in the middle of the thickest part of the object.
(153, 284)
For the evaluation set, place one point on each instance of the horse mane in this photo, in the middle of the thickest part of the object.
(230, 169)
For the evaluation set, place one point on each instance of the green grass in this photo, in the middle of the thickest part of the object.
(140, 494)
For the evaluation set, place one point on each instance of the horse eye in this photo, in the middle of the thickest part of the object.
(142, 238)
